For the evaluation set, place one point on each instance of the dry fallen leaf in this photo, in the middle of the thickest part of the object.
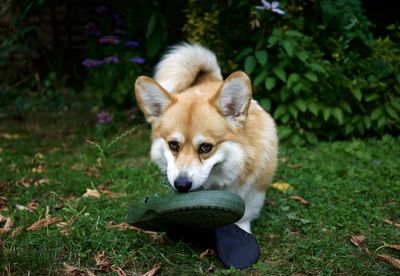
(207, 252)
(390, 222)
(91, 193)
(295, 166)
(122, 226)
(78, 167)
(9, 136)
(357, 239)
(153, 271)
(282, 186)
(103, 189)
(65, 227)
(3, 203)
(71, 270)
(43, 223)
(102, 261)
(16, 232)
(391, 260)
(21, 207)
(7, 226)
(394, 246)
(39, 169)
(119, 270)
(300, 200)
(93, 171)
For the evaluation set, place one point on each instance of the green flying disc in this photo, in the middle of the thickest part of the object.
(197, 210)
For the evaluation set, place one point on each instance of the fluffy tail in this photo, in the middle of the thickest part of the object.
(184, 65)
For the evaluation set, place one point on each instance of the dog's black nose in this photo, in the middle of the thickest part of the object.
(182, 184)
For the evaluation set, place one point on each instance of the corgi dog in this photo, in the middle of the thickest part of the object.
(208, 133)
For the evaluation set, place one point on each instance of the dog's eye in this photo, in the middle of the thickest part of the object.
(205, 148)
(174, 145)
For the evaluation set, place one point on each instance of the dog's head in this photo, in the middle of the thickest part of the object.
(195, 133)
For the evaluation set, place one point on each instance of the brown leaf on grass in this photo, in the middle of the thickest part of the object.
(153, 271)
(93, 171)
(206, 253)
(71, 270)
(7, 226)
(3, 203)
(78, 167)
(9, 136)
(21, 207)
(39, 169)
(65, 227)
(389, 259)
(13, 167)
(394, 246)
(91, 193)
(43, 223)
(33, 205)
(118, 270)
(25, 182)
(41, 182)
(390, 222)
(300, 200)
(16, 232)
(284, 159)
(103, 189)
(357, 240)
(2, 218)
(122, 226)
(102, 261)
(295, 166)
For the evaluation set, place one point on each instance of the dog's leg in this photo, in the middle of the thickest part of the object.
(254, 201)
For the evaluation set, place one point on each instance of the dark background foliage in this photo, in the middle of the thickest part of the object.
(325, 69)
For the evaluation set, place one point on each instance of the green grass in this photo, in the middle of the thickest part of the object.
(352, 187)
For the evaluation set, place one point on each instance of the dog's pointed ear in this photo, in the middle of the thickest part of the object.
(234, 97)
(152, 99)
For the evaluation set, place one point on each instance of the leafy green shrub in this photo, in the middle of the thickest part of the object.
(318, 69)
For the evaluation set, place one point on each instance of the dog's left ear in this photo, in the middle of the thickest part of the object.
(234, 97)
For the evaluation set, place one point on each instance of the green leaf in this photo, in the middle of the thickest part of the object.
(151, 26)
(382, 122)
(371, 97)
(261, 57)
(249, 64)
(280, 110)
(293, 78)
(367, 121)
(346, 107)
(272, 40)
(270, 83)
(357, 93)
(377, 113)
(260, 78)
(245, 52)
(313, 107)
(326, 112)
(338, 114)
(266, 104)
(311, 76)
(284, 132)
(318, 68)
(301, 105)
(280, 73)
(289, 46)
(293, 111)
(302, 55)
(284, 94)
(395, 103)
(391, 111)
(398, 77)
(285, 118)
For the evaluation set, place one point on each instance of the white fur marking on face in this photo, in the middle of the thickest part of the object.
(198, 139)
(177, 136)
(220, 170)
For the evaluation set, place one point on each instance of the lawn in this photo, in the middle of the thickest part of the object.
(48, 161)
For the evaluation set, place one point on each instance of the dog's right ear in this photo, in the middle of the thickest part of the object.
(152, 99)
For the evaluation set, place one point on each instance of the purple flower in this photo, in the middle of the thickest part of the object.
(104, 117)
(137, 60)
(131, 43)
(109, 39)
(273, 6)
(91, 63)
(110, 59)
(102, 10)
